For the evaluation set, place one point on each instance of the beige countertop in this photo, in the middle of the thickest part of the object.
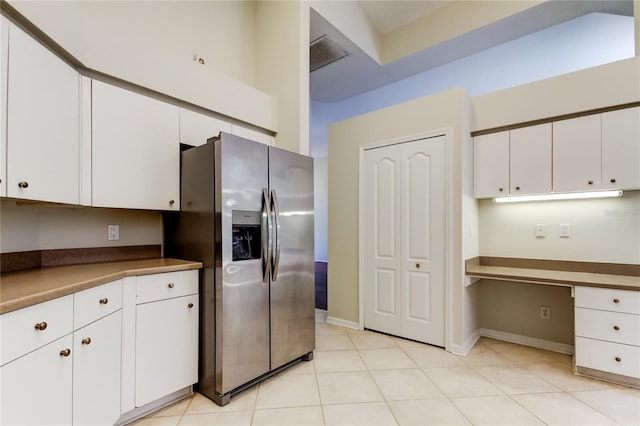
(21, 289)
(553, 276)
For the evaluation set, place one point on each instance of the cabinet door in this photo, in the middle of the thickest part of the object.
(135, 150)
(42, 123)
(530, 160)
(491, 165)
(36, 388)
(576, 154)
(166, 347)
(4, 61)
(196, 128)
(96, 371)
(621, 149)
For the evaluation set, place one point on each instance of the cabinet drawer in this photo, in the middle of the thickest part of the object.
(606, 356)
(165, 286)
(94, 303)
(610, 326)
(608, 299)
(20, 335)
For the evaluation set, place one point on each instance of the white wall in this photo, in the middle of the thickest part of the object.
(320, 198)
(26, 226)
(602, 230)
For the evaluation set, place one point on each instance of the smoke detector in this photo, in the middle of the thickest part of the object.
(323, 51)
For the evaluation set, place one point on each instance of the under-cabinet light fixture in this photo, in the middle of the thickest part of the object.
(567, 196)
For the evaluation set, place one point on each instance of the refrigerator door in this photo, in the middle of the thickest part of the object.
(242, 294)
(292, 285)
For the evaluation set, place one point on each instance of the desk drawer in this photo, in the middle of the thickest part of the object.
(97, 302)
(606, 356)
(166, 285)
(20, 334)
(608, 299)
(609, 326)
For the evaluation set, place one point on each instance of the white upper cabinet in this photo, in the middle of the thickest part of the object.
(491, 165)
(530, 160)
(621, 149)
(135, 150)
(43, 116)
(4, 61)
(576, 154)
(196, 128)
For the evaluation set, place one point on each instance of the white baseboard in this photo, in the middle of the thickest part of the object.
(547, 345)
(343, 323)
(467, 345)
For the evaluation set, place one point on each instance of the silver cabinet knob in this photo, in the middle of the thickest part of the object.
(23, 184)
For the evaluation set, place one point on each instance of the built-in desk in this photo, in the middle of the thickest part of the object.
(552, 272)
(606, 312)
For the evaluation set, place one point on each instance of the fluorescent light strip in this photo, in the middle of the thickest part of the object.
(567, 196)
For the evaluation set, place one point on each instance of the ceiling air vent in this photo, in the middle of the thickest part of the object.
(323, 51)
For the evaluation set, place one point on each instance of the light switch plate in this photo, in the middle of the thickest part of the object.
(565, 230)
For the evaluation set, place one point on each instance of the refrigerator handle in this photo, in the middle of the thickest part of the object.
(267, 243)
(276, 226)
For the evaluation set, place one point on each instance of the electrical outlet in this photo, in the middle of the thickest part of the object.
(541, 230)
(545, 312)
(113, 232)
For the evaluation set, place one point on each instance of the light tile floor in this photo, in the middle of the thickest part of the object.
(367, 378)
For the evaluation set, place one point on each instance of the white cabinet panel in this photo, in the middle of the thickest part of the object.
(4, 62)
(491, 165)
(165, 286)
(196, 128)
(36, 389)
(43, 118)
(530, 160)
(606, 356)
(166, 347)
(135, 150)
(577, 154)
(27, 329)
(95, 303)
(96, 371)
(610, 326)
(608, 299)
(621, 149)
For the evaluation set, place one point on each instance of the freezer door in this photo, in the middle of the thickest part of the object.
(292, 285)
(242, 293)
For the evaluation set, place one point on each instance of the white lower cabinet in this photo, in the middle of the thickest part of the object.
(166, 345)
(607, 326)
(37, 387)
(96, 371)
(76, 359)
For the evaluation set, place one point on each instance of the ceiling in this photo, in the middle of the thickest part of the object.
(358, 72)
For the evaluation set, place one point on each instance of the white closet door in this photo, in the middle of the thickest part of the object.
(383, 240)
(423, 224)
(404, 201)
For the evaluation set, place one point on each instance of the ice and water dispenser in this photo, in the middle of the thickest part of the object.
(246, 228)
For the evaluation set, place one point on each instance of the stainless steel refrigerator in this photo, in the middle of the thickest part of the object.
(247, 214)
